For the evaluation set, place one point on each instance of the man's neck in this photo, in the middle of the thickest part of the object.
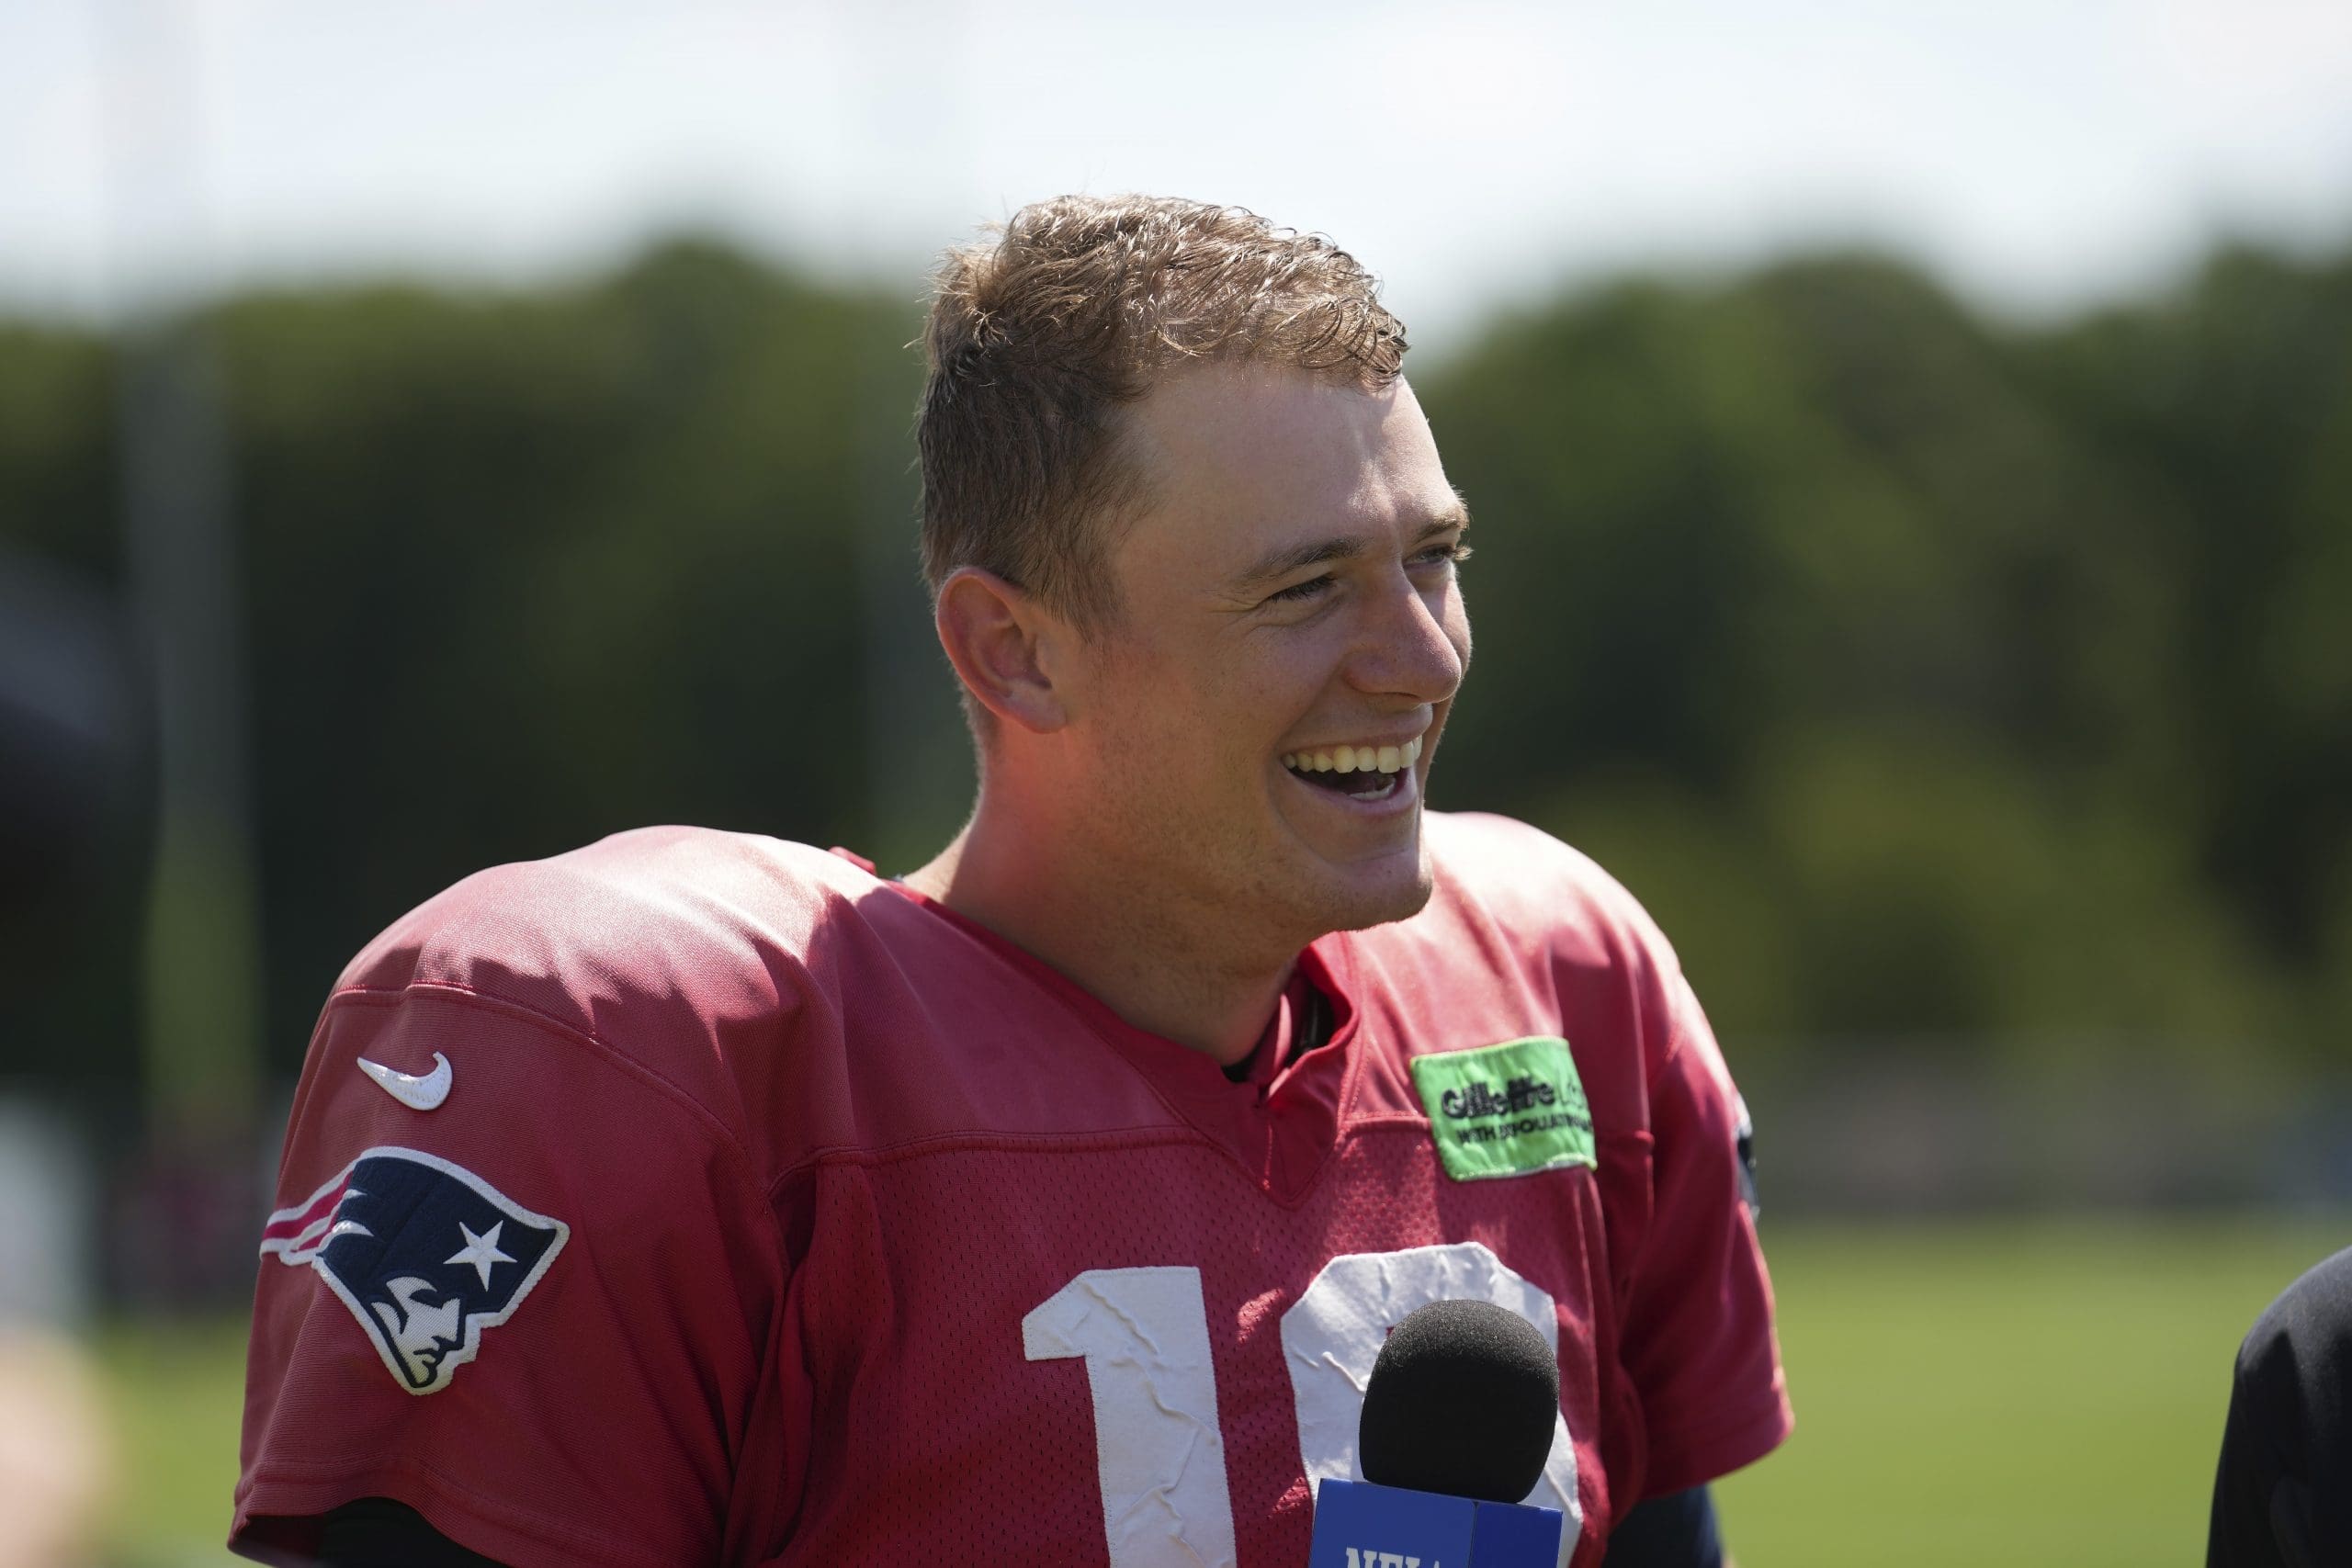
(1179, 979)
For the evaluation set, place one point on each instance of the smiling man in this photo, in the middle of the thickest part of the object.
(1052, 1202)
(1221, 760)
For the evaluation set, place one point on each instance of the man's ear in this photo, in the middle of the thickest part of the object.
(1006, 647)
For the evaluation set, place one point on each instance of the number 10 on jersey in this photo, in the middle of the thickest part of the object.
(1160, 1453)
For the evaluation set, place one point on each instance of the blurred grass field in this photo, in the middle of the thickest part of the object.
(2037, 1394)
(1967, 1394)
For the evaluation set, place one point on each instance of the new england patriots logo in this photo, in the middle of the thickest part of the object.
(424, 1253)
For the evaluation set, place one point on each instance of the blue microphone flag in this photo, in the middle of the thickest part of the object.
(1360, 1524)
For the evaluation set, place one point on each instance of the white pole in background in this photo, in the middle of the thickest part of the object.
(202, 1014)
(907, 65)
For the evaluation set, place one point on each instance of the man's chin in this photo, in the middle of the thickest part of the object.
(1361, 901)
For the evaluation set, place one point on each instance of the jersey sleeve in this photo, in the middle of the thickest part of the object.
(515, 1279)
(1699, 1347)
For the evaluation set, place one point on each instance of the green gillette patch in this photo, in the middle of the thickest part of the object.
(1506, 1110)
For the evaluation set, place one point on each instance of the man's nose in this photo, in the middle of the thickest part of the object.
(1415, 645)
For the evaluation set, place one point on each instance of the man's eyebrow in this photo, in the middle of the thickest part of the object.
(1286, 559)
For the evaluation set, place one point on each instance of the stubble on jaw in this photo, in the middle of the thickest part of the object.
(1237, 907)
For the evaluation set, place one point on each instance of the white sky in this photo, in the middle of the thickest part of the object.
(2037, 152)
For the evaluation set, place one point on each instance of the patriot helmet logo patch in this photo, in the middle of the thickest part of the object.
(424, 1253)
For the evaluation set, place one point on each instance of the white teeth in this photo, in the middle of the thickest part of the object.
(1355, 759)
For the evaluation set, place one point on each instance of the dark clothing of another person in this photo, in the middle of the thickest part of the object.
(2282, 1495)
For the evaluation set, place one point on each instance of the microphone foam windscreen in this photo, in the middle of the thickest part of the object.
(1462, 1402)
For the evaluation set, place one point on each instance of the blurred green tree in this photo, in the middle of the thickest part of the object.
(1932, 677)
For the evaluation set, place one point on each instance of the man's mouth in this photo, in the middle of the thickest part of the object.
(1368, 772)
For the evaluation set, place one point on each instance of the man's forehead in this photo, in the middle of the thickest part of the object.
(1221, 408)
(1234, 456)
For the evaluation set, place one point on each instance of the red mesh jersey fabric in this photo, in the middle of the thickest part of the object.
(886, 1243)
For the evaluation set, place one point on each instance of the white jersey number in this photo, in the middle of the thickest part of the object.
(1160, 1454)
(1333, 1333)
(1158, 1449)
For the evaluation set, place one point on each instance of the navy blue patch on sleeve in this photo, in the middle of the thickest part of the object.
(1747, 1163)
(424, 1253)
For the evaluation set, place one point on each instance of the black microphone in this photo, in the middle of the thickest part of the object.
(1457, 1423)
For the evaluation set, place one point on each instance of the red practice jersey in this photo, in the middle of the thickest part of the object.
(697, 1197)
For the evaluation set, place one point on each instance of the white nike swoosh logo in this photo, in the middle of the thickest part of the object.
(417, 1091)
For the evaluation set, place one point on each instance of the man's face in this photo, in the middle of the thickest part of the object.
(1287, 598)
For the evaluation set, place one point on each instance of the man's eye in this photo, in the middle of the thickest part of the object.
(1456, 553)
(1298, 591)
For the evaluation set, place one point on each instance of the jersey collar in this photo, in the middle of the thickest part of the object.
(1280, 1122)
